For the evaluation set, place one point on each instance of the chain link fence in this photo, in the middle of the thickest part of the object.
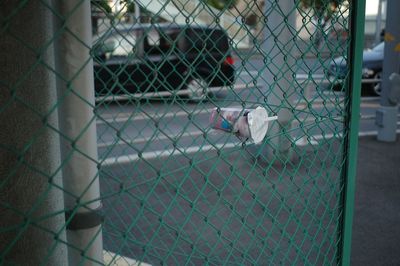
(118, 146)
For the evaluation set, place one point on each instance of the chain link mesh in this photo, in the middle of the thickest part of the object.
(173, 189)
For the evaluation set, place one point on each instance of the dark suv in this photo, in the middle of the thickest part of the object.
(162, 58)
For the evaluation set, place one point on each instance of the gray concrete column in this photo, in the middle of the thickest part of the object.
(386, 115)
(31, 204)
(278, 41)
(391, 60)
(78, 124)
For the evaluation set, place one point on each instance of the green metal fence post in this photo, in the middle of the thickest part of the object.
(352, 123)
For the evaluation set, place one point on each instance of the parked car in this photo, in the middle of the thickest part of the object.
(371, 68)
(162, 57)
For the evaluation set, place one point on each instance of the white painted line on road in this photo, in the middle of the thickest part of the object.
(371, 117)
(139, 140)
(341, 101)
(313, 76)
(372, 98)
(141, 116)
(164, 153)
(299, 76)
(369, 105)
(186, 134)
(189, 150)
(159, 94)
(367, 117)
(112, 259)
(339, 135)
(248, 73)
(123, 117)
(197, 133)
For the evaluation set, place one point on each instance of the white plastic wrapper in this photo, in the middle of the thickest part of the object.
(249, 123)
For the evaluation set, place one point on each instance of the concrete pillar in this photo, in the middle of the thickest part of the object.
(78, 124)
(391, 60)
(31, 204)
(278, 86)
(386, 118)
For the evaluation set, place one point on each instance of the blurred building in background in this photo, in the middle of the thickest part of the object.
(375, 21)
(242, 19)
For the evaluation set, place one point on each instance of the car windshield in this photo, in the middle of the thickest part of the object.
(124, 44)
(379, 47)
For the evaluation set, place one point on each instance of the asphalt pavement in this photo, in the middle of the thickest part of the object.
(376, 227)
(171, 186)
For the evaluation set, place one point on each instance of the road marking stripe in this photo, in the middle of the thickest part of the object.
(166, 93)
(197, 133)
(370, 99)
(360, 134)
(339, 135)
(171, 152)
(165, 153)
(123, 117)
(314, 76)
(110, 258)
(340, 101)
(371, 117)
(142, 116)
(370, 105)
(138, 140)
(163, 137)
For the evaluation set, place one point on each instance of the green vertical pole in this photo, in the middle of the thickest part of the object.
(352, 124)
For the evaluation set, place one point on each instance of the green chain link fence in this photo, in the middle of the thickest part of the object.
(109, 155)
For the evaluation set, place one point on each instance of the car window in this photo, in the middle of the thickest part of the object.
(160, 42)
(379, 47)
(125, 45)
(117, 44)
(206, 39)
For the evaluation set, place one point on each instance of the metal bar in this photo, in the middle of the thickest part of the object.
(352, 123)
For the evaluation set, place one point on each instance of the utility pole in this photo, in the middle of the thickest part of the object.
(137, 13)
(386, 116)
(31, 198)
(74, 66)
(378, 24)
(277, 85)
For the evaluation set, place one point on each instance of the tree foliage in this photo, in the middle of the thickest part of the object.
(221, 4)
(102, 5)
(322, 8)
(130, 5)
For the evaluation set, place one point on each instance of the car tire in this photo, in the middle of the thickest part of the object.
(197, 88)
(376, 88)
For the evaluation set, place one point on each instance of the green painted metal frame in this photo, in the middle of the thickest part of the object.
(354, 94)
